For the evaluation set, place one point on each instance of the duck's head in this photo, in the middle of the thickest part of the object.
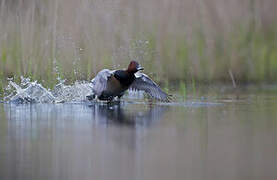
(134, 67)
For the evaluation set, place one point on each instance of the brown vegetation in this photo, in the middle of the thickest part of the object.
(176, 40)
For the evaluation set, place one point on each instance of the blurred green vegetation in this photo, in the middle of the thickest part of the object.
(44, 41)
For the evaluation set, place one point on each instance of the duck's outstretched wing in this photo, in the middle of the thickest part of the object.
(99, 83)
(144, 83)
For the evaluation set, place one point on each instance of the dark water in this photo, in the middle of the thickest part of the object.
(232, 140)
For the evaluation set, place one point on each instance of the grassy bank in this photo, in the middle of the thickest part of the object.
(177, 41)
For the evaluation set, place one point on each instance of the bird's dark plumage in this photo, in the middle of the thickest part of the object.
(109, 84)
(124, 77)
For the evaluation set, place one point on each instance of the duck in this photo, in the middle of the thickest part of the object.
(109, 84)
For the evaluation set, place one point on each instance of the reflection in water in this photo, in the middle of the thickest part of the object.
(118, 113)
(66, 141)
(125, 141)
(133, 115)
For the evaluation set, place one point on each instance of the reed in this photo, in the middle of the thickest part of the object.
(172, 38)
(183, 90)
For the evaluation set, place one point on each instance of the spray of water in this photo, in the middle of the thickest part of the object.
(28, 91)
(33, 92)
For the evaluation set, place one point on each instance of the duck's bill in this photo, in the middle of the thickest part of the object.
(140, 68)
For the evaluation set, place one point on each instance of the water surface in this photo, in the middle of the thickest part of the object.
(227, 139)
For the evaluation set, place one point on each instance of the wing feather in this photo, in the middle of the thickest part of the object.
(99, 83)
(144, 83)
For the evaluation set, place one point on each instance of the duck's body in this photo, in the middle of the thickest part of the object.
(117, 82)
(109, 84)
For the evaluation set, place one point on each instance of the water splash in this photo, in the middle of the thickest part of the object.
(33, 92)
(72, 93)
(28, 91)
